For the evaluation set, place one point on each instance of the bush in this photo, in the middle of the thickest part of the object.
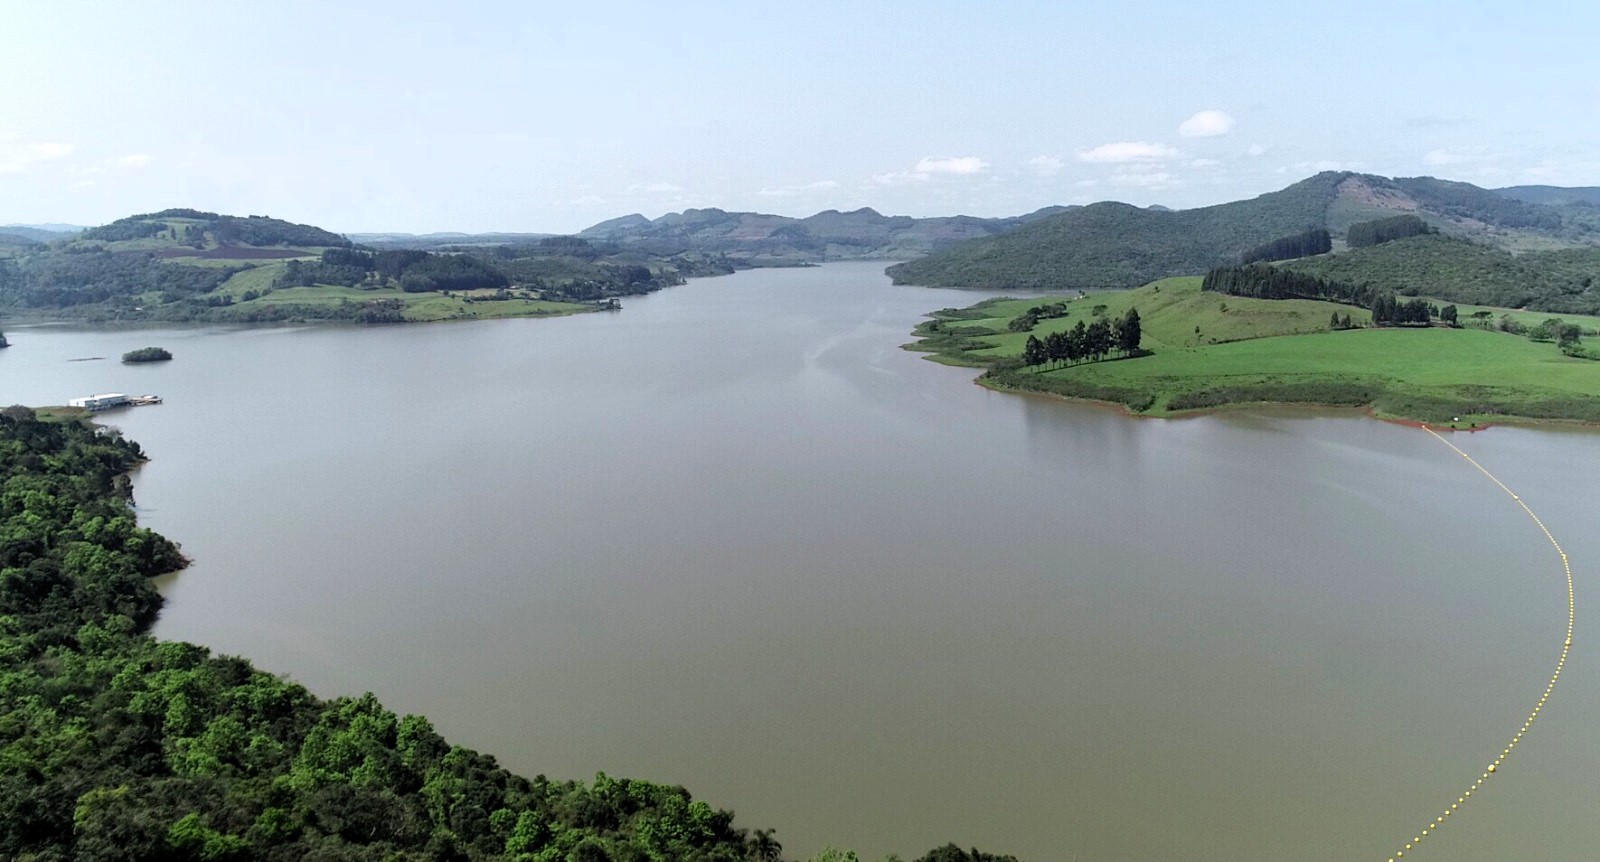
(147, 354)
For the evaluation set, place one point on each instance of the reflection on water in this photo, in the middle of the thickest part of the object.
(734, 538)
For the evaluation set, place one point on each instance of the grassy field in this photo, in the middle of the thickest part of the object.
(1530, 319)
(1210, 351)
(419, 307)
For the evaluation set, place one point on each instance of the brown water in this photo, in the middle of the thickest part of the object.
(734, 538)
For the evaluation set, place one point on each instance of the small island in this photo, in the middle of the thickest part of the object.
(147, 354)
(3, 341)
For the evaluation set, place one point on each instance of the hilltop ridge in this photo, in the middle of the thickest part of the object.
(859, 234)
(1115, 245)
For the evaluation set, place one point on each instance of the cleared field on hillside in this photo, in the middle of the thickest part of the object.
(417, 306)
(1212, 350)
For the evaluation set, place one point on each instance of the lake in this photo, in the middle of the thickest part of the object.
(734, 538)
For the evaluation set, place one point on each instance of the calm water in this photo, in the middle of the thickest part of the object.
(734, 538)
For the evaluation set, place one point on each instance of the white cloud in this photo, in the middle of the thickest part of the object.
(1256, 150)
(1127, 151)
(804, 188)
(1459, 156)
(951, 165)
(894, 178)
(1320, 166)
(1144, 179)
(588, 201)
(1046, 166)
(1562, 172)
(1206, 124)
(1204, 163)
(132, 161)
(18, 158)
(654, 188)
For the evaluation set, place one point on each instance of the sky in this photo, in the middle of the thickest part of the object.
(481, 116)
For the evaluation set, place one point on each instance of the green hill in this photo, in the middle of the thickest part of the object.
(189, 232)
(761, 238)
(1457, 270)
(187, 265)
(1211, 350)
(1112, 245)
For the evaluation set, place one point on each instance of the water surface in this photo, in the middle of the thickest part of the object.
(734, 538)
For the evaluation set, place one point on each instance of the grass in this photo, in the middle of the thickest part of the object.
(419, 307)
(62, 414)
(257, 278)
(1589, 323)
(1250, 351)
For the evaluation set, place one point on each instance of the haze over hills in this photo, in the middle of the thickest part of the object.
(41, 232)
(1109, 245)
(1556, 195)
(862, 234)
(442, 239)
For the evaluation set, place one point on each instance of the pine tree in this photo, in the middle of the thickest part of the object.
(1129, 333)
(1033, 352)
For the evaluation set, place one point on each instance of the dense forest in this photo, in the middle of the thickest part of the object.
(122, 748)
(88, 275)
(1267, 282)
(1379, 231)
(1317, 240)
(1456, 270)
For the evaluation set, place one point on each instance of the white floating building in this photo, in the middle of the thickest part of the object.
(104, 401)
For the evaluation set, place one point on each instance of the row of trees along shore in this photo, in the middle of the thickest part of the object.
(1085, 342)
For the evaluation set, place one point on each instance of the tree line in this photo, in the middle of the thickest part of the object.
(1030, 318)
(1260, 281)
(1387, 310)
(1379, 231)
(1315, 240)
(85, 275)
(1085, 342)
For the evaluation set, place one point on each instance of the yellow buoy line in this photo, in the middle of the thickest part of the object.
(1566, 646)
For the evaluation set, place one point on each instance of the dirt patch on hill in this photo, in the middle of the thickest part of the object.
(1357, 189)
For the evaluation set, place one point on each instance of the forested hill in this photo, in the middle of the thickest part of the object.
(1453, 269)
(1112, 245)
(829, 235)
(195, 229)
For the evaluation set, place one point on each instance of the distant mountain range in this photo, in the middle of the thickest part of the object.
(441, 239)
(40, 232)
(830, 235)
(1114, 245)
(1557, 195)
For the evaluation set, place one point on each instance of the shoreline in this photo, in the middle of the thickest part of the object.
(1483, 421)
